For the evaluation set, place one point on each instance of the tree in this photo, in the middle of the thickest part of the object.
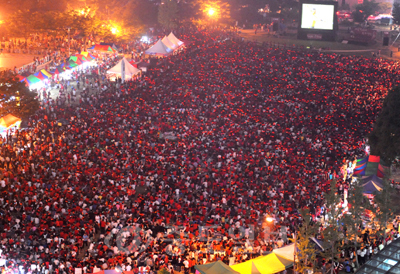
(163, 271)
(332, 233)
(16, 97)
(385, 7)
(385, 137)
(387, 205)
(19, 24)
(364, 10)
(357, 204)
(306, 251)
(168, 14)
(396, 13)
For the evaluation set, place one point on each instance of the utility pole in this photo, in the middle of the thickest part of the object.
(69, 41)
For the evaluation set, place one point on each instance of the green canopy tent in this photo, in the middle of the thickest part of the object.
(217, 267)
(72, 64)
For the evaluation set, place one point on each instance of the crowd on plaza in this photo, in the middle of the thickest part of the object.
(183, 165)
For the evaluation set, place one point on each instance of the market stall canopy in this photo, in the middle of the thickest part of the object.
(20, 78)
(159, 49)
(140, 65)
(286, 252)
(58, 70)
(9, 120)
(109, 44)
(217, 267)
(371, 187)
(46, 73)
(129, 69)
(76, 59)
(31, 79)
(174, 40)
(168, 43)
(268, 264)
(72, 64)
(102, 48)
(370, 165)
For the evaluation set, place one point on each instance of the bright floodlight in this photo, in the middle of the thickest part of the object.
(211, 12)
(144, 39)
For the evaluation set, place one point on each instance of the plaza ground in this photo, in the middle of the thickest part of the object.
(11, 60)
(390, 52)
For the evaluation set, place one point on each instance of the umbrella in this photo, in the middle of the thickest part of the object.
(32, 79)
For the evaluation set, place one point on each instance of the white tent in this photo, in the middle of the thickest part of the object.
(159, 49)
(174, 40)
(130, 70)
(168, 43)
(286, 252)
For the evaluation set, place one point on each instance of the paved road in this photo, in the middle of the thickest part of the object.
(11, 60)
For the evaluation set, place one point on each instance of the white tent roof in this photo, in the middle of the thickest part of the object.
(158, 48)
(174, 40)
(286, 252)
(168, 43)
(129, 69)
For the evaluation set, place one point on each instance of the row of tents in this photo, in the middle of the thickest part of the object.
(165, 46)
(277, 261)
(73, 62)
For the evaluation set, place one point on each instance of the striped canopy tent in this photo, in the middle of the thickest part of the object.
(370, 165)
(20, 78)
(82, 57)
(72, 64)
(371, 187)
(88, 56)
(31, 79)
(93, 56)
(40, 75)
(371, 184)
(46, 73)
(76, 59)
(58, 70)
(102, 48)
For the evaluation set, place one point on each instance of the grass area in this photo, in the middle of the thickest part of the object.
(353, 49)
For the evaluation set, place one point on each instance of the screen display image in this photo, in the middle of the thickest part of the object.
(317, 16)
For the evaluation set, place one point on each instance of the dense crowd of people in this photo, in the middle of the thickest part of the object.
(183, 165)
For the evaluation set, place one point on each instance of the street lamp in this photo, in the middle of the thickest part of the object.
(211, 12)
(69, 41)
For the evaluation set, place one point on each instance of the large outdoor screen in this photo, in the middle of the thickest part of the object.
(317, 16)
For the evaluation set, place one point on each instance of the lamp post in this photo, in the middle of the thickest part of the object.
(294, 253)
(69, 41)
